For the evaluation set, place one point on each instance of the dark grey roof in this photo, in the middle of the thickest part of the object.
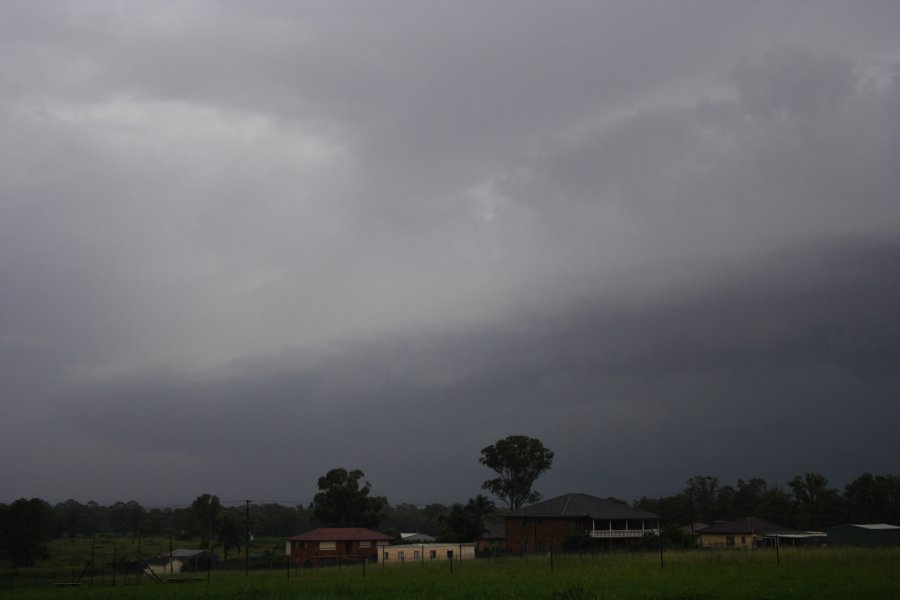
(186, 553)
(748, 525)
(582, 505)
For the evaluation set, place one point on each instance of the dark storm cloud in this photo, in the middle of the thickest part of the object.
(744, 378)
(241, 238)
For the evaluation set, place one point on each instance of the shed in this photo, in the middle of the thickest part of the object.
(870, 534)
(183, 559)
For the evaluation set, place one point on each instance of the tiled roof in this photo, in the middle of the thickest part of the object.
(747, 525)
(340, 534)
(582, 505)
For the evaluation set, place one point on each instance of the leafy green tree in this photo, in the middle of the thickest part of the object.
(432, 514)
(518, 460)
(465, 523)
(342, 502)
(203, 517)
(748, 496)
(409, 517)
(272, 519)
(95, 518)
(702, 492)
(162, 521)
(127, 517)
(672, 536)
(677, 537)
(25, 528)
(68, 518)
(725, 503)
(671, 509)
(230, 534)
(777, 506)
(873, 499)
(817, 505)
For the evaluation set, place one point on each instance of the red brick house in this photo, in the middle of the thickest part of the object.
(547, 525)
(329, 544)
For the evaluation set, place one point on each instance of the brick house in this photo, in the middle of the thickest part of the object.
(549, 524)
(329, 544)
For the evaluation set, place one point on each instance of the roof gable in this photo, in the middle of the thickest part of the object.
(582, 506)
(340, 534)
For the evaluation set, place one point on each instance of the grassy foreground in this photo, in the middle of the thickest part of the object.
(809, 573)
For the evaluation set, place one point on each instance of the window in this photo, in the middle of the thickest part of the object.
(449, 553)
(416, 555)
(327, 545)
(387, 555)
(433, 554)
(365, 544)
(400, 554)
(743, 540)
(729, 540)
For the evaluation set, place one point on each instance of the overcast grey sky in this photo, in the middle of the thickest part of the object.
(242, 243)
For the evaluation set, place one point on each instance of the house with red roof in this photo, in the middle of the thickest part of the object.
(330, 544)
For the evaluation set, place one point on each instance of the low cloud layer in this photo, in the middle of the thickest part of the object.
(241, 245)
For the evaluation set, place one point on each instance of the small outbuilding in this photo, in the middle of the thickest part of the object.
(871, 534)
(403, 553)
(182, 559)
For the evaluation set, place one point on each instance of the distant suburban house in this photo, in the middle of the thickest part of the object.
(329, 544)
(493, 538)
(549, 524)
(404, 553)
(416, 538)
(872, 534)
(745, 532)
(183, 559)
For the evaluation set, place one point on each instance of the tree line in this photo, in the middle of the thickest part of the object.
(807, 502)
(344, 499)
(27, 525)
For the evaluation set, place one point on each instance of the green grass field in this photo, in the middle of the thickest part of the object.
(809, 573)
